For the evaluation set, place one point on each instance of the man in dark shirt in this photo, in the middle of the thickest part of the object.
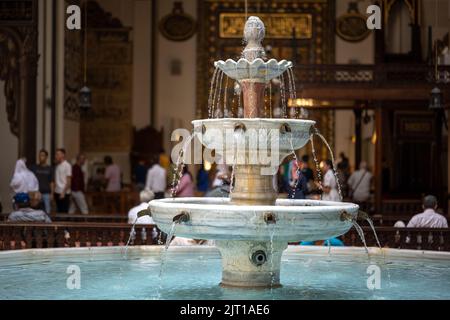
(307, 173)
(77, 187)
(140, 174)
(44, 174)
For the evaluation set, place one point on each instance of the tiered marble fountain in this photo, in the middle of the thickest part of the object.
(252, 228)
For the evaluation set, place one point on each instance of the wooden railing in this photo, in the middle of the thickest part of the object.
(367, 75)
(402, 238)
(97, 217)
(113, 202)
(15, 236)
(401, 207)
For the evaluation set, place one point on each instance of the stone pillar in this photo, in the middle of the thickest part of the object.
(250, 263)
(253, 97)
(251, 187)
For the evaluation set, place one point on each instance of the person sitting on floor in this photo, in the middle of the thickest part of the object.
(24, 210)
(429, 218)
(145, 197)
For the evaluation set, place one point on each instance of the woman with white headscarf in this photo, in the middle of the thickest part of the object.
(23, 180)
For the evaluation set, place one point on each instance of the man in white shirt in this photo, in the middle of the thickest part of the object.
(359, 183)
(156, 180)
(429, 218)
(63, 180)
(145, 196)
(330, 191)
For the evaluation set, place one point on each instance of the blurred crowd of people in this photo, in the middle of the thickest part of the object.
(62, 186)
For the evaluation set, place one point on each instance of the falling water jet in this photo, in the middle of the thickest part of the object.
(131, 237)
(180, 165)
(272, 235)
(335, 172)
(220, 94)
(316, 162)
(225, 100)
(298, 166)
(270, 99)
(283, 96)
(216, 88)
(291, 93)
(291, 72)
(361, 234)
(210, 101)
(366, 217)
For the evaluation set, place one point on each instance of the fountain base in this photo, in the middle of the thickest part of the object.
(250, 264)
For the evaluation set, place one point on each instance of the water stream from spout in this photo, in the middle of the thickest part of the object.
(292, 112)
(218, 112)
(335, 172)
(272, 276)
(131, 237)
(163, 255)
(225, 100)
(216, 89)
(180, 165)
(370, 222)
(360, 232)
(211, 90)
(316, 163)
(294, 188)
(294, 92)
(270, 99)
(283, 96)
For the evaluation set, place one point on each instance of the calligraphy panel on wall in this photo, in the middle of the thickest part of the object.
(107, 127)
(298, 30)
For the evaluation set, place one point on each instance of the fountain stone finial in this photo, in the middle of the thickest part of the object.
(254, 33)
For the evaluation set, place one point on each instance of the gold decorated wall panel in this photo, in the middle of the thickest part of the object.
(298, 30)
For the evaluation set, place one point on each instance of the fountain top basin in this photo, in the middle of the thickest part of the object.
(288, 220)
(257, 70)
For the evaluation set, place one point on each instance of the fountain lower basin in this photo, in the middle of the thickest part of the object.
(307, 273)
(219, 219)
(252, 238)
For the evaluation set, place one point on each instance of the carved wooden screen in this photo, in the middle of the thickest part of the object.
(108, 126)
(73, 69)
(221, 26)
(18, 68)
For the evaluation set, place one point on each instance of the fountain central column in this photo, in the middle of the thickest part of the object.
(252, 263)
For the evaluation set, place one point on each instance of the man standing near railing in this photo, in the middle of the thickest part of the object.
(44, 174)
(429, 218)
(156, 179)
(78, 199)
(63, 181)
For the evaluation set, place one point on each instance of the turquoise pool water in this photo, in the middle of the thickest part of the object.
(194, 273)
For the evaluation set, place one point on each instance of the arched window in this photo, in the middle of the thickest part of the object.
(398, 31)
